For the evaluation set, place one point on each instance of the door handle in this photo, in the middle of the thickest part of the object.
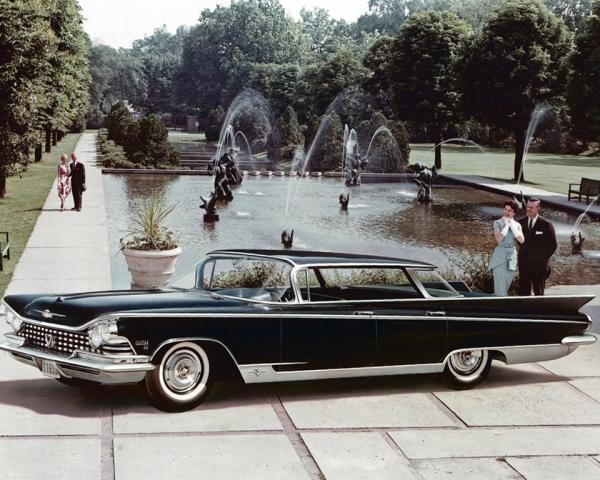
(436, 313)
(364, 313)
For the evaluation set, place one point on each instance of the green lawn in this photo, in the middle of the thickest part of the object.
(26, 196)
(175, 137)
(549, 172)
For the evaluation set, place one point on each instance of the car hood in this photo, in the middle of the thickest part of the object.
(78, 309)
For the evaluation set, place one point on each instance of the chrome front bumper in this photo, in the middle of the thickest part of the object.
(95, 367)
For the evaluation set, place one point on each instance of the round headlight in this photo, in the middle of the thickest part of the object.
(95, 338)
(10, 318)
(17, 322)
(107, 331)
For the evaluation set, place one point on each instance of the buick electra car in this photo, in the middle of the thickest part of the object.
(272, 316)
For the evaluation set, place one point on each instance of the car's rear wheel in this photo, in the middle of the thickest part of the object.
(466, 368)
(181, 380)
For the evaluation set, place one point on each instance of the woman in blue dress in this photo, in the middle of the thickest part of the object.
(503, 264)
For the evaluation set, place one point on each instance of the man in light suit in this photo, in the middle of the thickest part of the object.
(535, 252)
(77, 175)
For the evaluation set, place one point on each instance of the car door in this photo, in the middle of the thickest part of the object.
(327, 333)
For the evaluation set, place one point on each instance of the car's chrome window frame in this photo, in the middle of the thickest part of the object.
(417, 285)
(199, 275)
(411, 271)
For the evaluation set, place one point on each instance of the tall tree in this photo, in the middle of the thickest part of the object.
(423, 72)
(219, 51)
(69, 80)
(583, 92)
(160, 57)
(26, 44)
(518, 62)
(573, 12)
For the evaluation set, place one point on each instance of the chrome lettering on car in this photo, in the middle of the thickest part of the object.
(49, 340)
(48, 314)
(142, 343)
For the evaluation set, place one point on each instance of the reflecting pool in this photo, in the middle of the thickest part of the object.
(382, 219)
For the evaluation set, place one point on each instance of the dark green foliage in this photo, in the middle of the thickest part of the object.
(385, 155)
(278, 83)
(214, 123)
(323, 82)
(43, 75)
(327, 156)
(423, 74)
(584, 85)
(111, 155)
(118, 123)
(290, 137)
(145, 142)
(517, 62)
(220, 49)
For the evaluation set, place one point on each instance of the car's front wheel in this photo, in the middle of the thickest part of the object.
(181, 380)
(466, 368)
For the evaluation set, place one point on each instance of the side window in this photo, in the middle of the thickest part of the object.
(306, 280)
(357, 283)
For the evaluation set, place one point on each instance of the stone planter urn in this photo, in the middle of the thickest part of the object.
(150, 268)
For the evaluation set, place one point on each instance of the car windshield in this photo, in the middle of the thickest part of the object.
(260, 279)
(434, 284)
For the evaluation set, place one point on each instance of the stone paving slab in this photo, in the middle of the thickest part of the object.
(583, 362)
(214, 457)
(55, 459)
(589, 386)
(466, 469)
(45, 407)
(58, 254)
(146, 419)
(523, 405)
(498, 442)
(563, 468)
(366, 411)
(356, 455)
(63, 286)
(71, 271)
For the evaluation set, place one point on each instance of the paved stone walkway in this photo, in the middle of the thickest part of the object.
(556, 200)
(535, 421)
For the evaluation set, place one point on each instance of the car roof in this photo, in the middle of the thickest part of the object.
(306, 257)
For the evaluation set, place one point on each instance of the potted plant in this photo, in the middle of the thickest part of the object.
(150, 249)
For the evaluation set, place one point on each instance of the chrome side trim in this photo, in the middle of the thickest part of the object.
(575, 340)
(266, 374)
(524, 353)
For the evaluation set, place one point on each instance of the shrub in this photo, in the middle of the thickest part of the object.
(214, 123)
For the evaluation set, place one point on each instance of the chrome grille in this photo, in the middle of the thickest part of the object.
(55, 340)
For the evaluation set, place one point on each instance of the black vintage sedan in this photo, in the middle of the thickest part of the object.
(271, 316)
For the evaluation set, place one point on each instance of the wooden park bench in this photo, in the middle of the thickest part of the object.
(588, 188)
(4, 248)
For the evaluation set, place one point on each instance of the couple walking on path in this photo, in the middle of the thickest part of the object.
(537, 243)
(71, 179)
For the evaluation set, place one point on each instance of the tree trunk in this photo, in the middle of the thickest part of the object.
(2, 186)
(60, 135)
(48, 140)
(54, 137)
(38, 152)
(438, 150)
(519, 148)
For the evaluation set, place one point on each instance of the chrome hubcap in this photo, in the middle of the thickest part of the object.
(183, 371)
(466, 361)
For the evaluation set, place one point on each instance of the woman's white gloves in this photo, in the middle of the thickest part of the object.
(516, 228)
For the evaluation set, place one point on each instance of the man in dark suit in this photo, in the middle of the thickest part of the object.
(77, 175)
(535, 252)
